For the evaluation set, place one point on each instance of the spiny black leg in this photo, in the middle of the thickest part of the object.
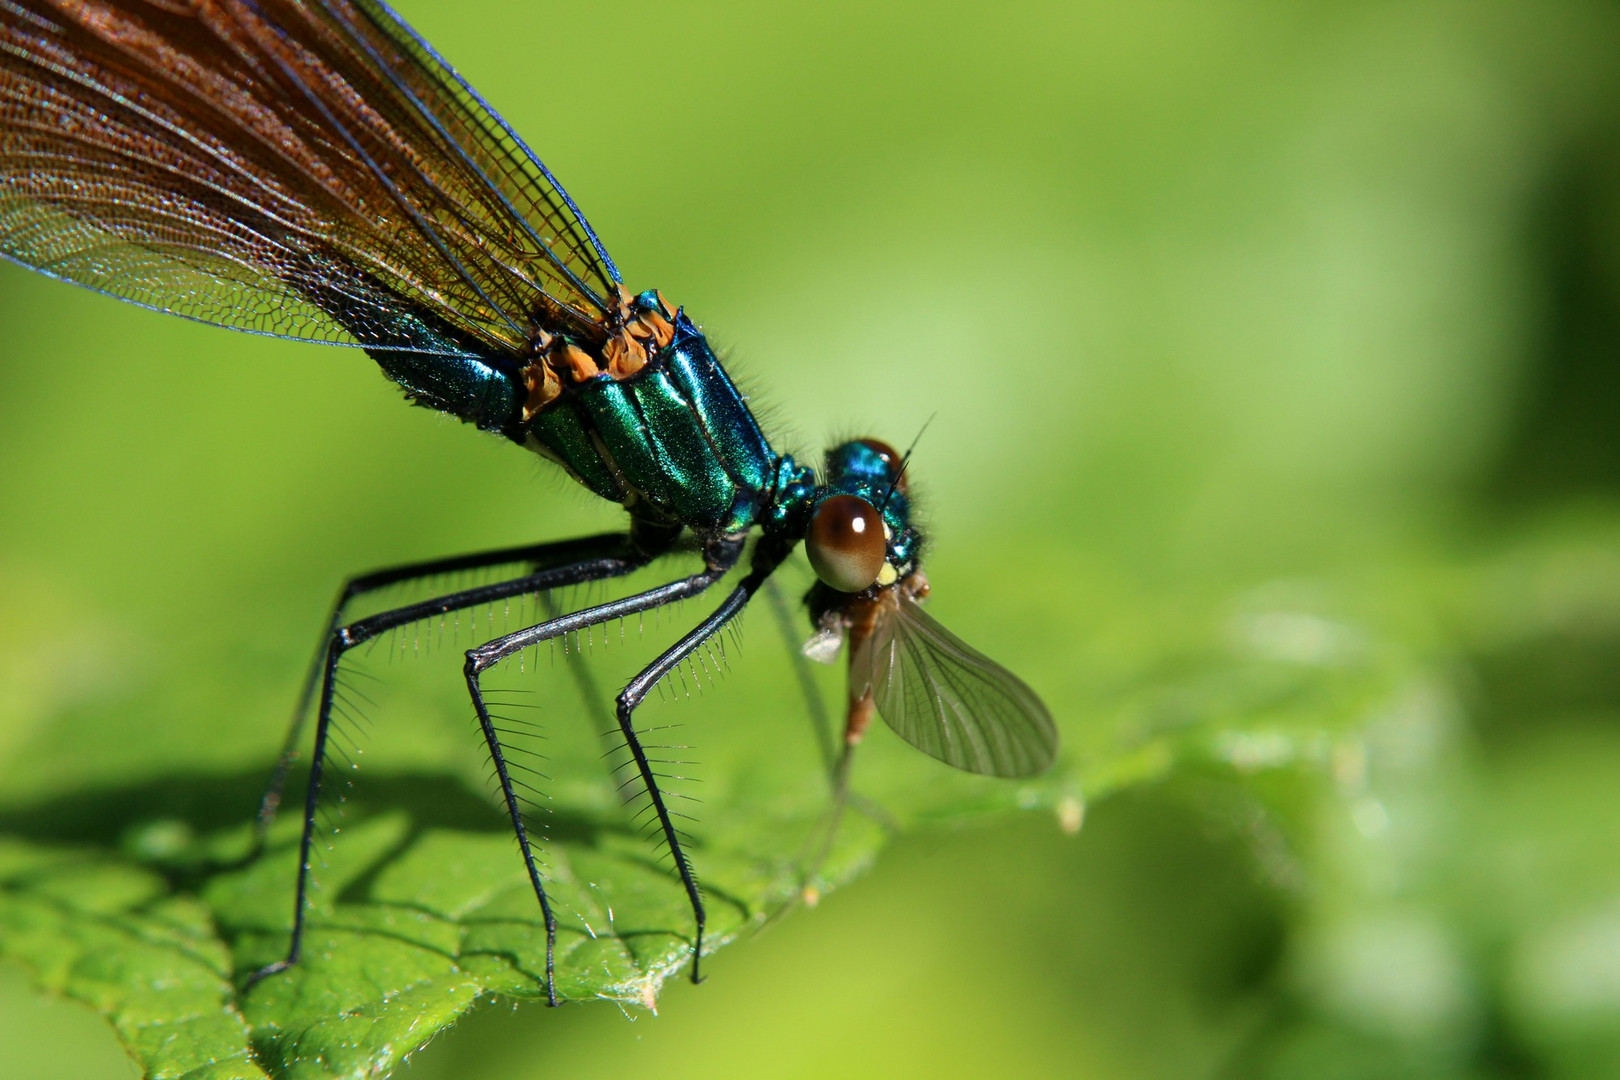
(498, 756)
(590, 559)
(311, 805)
(270, 801)
(538, 556)
(720, 558)
(766, 558)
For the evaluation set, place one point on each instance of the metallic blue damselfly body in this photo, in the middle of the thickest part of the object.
(313, 169)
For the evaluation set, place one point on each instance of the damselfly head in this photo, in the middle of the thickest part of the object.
(860, 536)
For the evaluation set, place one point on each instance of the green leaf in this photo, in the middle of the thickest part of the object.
(134, 897)
(114, 935)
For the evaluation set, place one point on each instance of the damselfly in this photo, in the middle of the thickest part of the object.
(313, 169)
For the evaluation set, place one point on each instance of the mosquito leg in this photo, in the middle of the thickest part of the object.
(719, 559)
(538, 556)
(575, 562)
(814, 703)
(828, 830)
(837, 761)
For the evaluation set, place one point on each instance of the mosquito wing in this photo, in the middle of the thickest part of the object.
(949, 700)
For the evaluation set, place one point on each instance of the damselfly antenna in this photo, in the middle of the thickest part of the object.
(905, 460)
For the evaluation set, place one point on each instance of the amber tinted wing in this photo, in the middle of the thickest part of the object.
(304, 170)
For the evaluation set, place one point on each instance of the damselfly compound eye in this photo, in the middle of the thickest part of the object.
(892, 460)
(845, 543)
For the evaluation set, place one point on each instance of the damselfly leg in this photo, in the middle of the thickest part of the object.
(720, 557)
(539, 558)
(567, 563)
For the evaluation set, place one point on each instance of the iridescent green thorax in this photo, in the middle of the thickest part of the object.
(673, 441)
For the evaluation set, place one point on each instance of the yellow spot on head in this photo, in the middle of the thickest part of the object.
(887, 574)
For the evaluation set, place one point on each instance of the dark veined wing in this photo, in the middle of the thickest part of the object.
(949, 700)
(307, 170)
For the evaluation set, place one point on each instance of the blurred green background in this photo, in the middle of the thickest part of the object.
(1222, 310)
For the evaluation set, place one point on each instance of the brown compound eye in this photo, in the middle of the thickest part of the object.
(845, 543)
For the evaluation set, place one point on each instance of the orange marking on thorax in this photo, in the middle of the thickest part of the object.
(624, 354)
(633, 338)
